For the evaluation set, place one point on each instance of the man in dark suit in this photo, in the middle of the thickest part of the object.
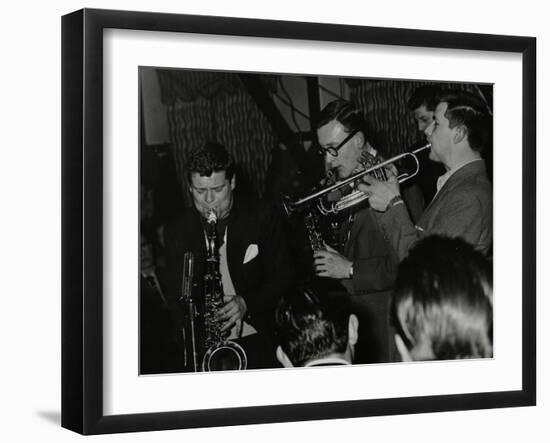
(315, 332)
(463, 204)
(365, 265)
(254, 266)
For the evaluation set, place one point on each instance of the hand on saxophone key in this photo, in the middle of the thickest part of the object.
(380, 193)
(233, 310)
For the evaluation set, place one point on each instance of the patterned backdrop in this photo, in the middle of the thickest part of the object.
(214, 106)
(210, 106)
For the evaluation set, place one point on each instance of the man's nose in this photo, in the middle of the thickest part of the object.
(329, 159)
(209, 196)
(429, 129)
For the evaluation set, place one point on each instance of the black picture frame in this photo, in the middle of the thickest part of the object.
(82, 218)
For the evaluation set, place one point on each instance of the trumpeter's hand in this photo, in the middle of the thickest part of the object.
(380, 193)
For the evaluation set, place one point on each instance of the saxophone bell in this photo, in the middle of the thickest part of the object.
(224, 356)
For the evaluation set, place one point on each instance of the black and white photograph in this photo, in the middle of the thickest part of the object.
(270, 221)
(309, 220)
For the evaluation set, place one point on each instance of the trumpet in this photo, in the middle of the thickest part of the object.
(356, 196)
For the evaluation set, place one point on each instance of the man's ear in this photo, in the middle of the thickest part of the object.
(233, 182)
(459, 133)
(283, 358)
(353, 329)
(402, 348)
(359, 139)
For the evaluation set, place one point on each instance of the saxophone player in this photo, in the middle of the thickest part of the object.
(254, 264)
(366, 265)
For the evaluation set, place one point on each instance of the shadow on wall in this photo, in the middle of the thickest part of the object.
(54, 417)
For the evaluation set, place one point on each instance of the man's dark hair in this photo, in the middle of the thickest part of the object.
(427, 96)
(345, 113)
(443, 297)
(471, 112)
(310, 328)
(213, 157)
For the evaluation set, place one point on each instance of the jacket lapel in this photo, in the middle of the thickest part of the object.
(236, 242)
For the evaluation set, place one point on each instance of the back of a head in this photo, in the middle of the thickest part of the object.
(443, 300)
(471, 112)
(427, 96)
(310, 328)
(344, 112)
(212, 157)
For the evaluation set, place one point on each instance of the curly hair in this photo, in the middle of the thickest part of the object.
(213, 157)
(309, 328)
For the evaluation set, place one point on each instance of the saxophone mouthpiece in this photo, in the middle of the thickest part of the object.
(212, 217)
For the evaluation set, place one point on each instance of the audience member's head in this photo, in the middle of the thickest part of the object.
(312, 331)
(442, 305)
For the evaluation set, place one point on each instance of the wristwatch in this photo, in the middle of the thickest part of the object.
(397, 200)
(351, 271)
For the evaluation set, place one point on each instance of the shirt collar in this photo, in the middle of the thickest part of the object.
(327, 361)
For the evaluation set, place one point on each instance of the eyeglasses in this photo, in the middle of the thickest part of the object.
(334, 150)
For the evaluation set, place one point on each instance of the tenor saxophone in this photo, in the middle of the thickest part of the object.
(219, 352)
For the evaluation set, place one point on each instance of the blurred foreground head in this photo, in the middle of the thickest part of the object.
(312, 330)
(443, 302)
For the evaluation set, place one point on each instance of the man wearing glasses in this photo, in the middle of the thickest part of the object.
(366, 265)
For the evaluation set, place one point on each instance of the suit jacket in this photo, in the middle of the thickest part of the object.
(261, 281)
(374, 263)
(463, 207)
